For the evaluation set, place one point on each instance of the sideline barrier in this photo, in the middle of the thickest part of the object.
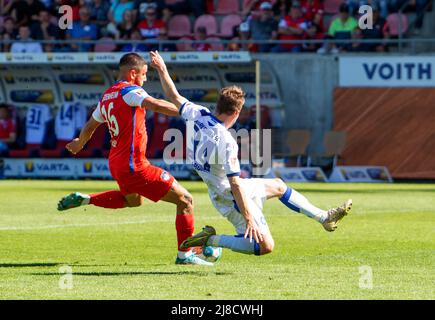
(360, 174)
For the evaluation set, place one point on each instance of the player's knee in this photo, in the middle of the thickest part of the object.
(267, 247)
(135, 202)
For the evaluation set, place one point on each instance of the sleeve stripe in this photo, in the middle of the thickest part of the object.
(235, 174)
(127, 89)
(182, 106)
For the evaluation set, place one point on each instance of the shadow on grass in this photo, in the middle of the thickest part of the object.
(31, 264)
(134, 273)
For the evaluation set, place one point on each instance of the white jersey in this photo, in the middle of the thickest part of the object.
(37, 117)
(213, 152)
(70, 118)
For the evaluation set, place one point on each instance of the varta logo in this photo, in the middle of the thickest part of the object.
(68, 96)
(87, 167)
(29, 166)
(9, 78)
(32, 79)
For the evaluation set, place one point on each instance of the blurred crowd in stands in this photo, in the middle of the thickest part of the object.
(143, 24)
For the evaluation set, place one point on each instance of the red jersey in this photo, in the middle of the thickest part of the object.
(299, 23)
(120, 108)
(151, 31)
(6, 128)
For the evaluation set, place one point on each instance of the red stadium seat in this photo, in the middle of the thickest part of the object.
(395, 22)
(209, 22)
(105, 44)
(332, 6)
(55, 153)
(179, 26)
(228, 23)
(227, 7)
(184, 44)
(216, 45)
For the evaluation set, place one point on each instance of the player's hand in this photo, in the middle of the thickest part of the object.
(157, 61)
(74, 146)
(252, 230)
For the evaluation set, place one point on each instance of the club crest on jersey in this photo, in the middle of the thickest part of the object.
(165, 176)
(114, 143)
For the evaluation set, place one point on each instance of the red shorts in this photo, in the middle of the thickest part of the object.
(151, 182)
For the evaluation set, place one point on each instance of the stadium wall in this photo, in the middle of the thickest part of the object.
(307, 84)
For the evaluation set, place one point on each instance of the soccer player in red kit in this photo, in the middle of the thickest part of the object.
(122, 108)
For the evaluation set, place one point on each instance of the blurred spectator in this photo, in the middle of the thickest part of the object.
(292, 27)
(311, 8)
(375, 33)
(201, 35)
(140, 7)
(264, 26)
(315, 31)
(134, 46)
(25, 11)
(127, 26)
(252, 7)
(99, 10)
(25, 45)
(8, 32)
(241, 33)
(343, 27)
(117, 9)
(83, 30)
(44, 30)
(420, 6)
(281, 8)
(8, 133)
(151, 27)
(186, 7)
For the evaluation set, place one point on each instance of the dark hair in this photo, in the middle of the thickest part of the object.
(132, 60)
(230, 99)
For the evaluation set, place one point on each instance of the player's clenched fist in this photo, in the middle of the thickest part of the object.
(74, 146)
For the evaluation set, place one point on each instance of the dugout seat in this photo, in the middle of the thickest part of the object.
(184, 44)
(334, 143)
(297, 143)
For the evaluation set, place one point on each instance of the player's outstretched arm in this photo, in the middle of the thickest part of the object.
(168, 85)
(252, 230)
(86, 133)
(160, 106)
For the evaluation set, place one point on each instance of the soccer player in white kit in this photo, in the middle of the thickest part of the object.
(214, 155)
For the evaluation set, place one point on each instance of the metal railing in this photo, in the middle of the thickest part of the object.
(405, 45)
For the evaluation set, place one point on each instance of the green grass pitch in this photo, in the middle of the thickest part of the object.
(130, 253)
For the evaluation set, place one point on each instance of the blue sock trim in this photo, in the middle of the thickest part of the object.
(286, 200)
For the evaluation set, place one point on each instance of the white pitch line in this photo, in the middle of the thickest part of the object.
(79, 225)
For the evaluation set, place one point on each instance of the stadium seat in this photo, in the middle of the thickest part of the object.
(184, 44)
(395, 22)
(227, 7)
(227, 25)
(179, 26)
(216, 45)
(332, 6)
(59, 151)
(209, 22)
(105, 44)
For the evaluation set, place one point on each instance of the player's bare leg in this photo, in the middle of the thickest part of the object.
(297, 202)
(184, 222)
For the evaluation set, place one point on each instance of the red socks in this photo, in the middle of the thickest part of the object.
(108, 199)
(184, 223)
